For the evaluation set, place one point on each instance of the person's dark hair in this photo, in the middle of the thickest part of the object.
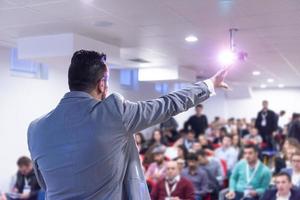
(142, 137)
(23, 161)
(201, 152)
(284, 174)
(192, 156)
(224, 130)
(87, 68)
(228, 136)
(251, 146)
(199, 106)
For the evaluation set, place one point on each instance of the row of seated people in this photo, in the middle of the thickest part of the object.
(250, 179)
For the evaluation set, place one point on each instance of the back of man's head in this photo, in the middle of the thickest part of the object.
(87, 68)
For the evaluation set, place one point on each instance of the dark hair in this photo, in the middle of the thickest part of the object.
(284, 174)
(192, 156)
(227, 135)
(201, 152)
(251, 146)
(199, 106)
(23, 161)
(87, 68)
(142, 137)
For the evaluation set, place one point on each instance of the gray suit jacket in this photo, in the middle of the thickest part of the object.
(85, 149)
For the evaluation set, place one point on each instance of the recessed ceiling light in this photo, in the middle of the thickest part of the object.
(263, 86)
(191, 38)
(281, 85)
(87, 1)
(270, 80)
(256, 73)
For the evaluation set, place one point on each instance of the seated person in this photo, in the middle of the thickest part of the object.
(250, 177)
(213, 167)
(284, 189)
(294, 171)
(196, 175)
(227, 152)
(253, 137)
(26, 186)
(157, 169)
(173, 186)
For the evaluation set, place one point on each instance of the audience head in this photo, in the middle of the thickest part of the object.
(202, 140)
(201, 156)
(181, 152)
(180, 164)
(158, 154)
(236, 140)
(251, 153)
(199, 109)
(223, 131)
(253, 131)
(290, 146)
(227, 141)
(282, 112)
(192, 161)
(283, 183)
(25, 165)
(296, 160)
(172, 170)
(196, 146)
(190, 135)
(89, 73)
(139, 138)
(265, 104)
(156, 136)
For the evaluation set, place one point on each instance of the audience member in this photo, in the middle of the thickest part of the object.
(284, 189)
(294, 171)
(266, 123)
(253, 138)
(250, 177)
(26, 183)
(227, 153)
(198, 122)
(197, 176)
(157, 169)
(173, 186)
(294, 127)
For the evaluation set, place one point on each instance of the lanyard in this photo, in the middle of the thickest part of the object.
(249, 179)
(173, 187)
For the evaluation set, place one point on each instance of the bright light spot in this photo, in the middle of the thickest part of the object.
(256, 73)
(281, 85)
(191, 38)
(227, 57)
(263, 86)
(270, 80)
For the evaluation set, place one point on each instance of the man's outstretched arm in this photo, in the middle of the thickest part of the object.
(137, 116)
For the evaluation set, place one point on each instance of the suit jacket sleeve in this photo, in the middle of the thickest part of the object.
(137, 116)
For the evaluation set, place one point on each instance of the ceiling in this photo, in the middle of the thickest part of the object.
(269, 31)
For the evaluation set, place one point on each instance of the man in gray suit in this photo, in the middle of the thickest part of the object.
(85, 149)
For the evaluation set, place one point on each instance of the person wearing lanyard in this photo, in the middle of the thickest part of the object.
(250, 177)
(284, 189)
(173, 186)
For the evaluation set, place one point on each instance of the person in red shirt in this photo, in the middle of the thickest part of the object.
(173, 186)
